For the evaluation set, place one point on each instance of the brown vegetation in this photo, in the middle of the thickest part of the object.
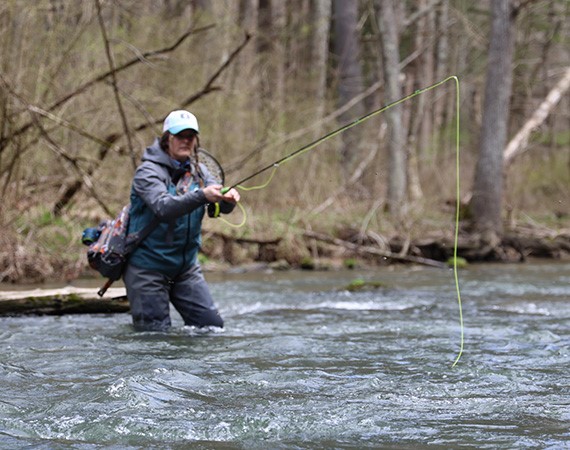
(84, 87)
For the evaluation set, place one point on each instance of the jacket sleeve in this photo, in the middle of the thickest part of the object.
(151, 184)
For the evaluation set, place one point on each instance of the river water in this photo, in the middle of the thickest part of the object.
(303, 364)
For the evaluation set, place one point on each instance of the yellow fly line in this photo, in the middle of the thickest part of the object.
(275, 165)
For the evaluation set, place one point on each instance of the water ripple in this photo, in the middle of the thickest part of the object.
(303, 365)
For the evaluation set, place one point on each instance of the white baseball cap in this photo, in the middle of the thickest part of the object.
(180, 120)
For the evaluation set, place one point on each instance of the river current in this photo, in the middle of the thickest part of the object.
(304, 364)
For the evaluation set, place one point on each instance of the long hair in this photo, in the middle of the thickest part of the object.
(164, 142)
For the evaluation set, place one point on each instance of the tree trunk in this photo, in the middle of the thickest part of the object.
(264, 50)
(427, 77)
(397, 183)
(248, 78)
(441, 64)
(486, 203)
(279, 23)
(320, 51)
(350, 83)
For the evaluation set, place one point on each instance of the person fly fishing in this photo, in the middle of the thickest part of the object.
(172, 188)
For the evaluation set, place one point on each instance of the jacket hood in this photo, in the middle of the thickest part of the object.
(155, 154)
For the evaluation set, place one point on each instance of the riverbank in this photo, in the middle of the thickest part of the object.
(349, 246)
(309, 250)
(80, 296)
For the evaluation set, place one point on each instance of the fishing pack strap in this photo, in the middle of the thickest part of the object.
(141, 235)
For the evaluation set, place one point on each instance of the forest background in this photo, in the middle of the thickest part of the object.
(86, 84)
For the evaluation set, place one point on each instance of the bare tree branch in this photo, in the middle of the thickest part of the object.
(105, 75)
(109, 142)
(84, 176)
(208, 86)
(114, 84)
(420, 13)
(69, 125)
(86, 179)
(353, 178)
(319, 123)
(519, 143)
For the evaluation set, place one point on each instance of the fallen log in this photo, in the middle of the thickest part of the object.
(68, 300)
(368, 250)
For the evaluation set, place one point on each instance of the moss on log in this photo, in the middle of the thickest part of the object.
(68, 300)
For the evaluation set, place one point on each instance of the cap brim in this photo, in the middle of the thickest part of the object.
(178, 128)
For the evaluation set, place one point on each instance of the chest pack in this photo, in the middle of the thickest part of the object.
(110, 245)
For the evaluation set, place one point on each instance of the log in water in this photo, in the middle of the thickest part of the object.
(68, 300)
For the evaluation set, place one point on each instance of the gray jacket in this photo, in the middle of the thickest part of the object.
(173, 245)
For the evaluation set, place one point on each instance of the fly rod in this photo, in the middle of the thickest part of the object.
(334, 133)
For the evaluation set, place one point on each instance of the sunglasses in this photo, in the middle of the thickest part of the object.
(186, 134)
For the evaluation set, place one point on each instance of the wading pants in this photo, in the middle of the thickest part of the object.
(150, 294)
